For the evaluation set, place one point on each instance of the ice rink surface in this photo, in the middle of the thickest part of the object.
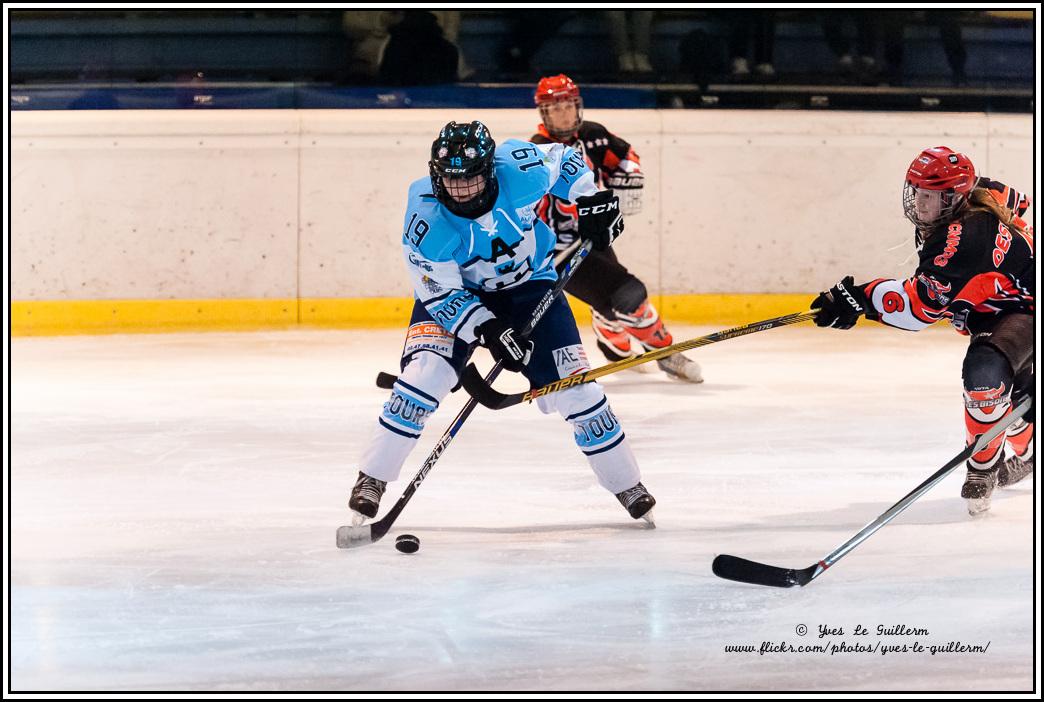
(175, 497)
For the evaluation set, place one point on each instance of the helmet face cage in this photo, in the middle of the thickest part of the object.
(936, 188)
(549, 116)
(555, 91)
(464, 190)
(930, 208)
(462, 169)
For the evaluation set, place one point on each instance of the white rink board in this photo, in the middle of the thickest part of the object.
(175, 498)
(283, 203)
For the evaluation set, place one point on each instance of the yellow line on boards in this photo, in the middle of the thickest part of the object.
(66, 317)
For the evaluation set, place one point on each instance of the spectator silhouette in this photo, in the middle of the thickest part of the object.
(752, 34)
(418, 53)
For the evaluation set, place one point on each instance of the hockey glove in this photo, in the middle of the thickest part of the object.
(627, 187)
(504, 344)
(599, 219)
(841, 306)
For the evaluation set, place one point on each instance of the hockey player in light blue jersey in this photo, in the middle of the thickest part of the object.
(480, 260)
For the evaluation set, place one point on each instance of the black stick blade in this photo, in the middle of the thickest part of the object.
(744, 571)
(386, 381)
(483, 392)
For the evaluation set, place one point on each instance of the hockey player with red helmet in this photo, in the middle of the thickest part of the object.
(976, 269)
(624, 320)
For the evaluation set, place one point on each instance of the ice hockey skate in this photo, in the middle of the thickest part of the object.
(1013, 469)
(648, 330)
(366, 498)
(614, 342)
(679, 367)
(638, 503)
(977, 489)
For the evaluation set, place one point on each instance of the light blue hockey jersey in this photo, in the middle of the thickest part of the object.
(450, 257)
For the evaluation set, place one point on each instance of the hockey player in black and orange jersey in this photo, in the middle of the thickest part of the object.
(976, 269)
(625, 322)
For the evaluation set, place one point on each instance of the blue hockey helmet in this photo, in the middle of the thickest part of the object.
(463, 174)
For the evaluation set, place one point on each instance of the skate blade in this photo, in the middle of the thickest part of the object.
(978, 505)
(683, 379)
(649, 519)
(358, 519)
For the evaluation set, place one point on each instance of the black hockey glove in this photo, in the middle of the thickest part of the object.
(599, 219)
(840, 306)
(504, 344)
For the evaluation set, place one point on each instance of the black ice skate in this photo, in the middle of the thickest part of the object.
(977, 489)
(366, 498)
(1012, 470)
(638, 502)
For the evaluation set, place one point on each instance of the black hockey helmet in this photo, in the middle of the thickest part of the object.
(462, 153)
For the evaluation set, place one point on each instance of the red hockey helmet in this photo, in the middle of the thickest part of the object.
(937, 186)
(561, 108)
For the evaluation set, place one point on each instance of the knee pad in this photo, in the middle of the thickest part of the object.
(986, 369)
(629, 297)
(426, 379)
(987, 395)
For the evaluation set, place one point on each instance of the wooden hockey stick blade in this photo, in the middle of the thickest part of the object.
(484, 393)
(754, 573)
(386, 381)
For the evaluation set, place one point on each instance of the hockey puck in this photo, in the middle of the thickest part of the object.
(407, 543)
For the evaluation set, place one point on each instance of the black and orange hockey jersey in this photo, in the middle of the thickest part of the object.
(614, 163)
(972, 268)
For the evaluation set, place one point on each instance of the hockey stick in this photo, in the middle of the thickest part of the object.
(744, 571)
(482, 391)
(386, 381)
(352, 536)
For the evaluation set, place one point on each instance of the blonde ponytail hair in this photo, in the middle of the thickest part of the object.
(983, 200)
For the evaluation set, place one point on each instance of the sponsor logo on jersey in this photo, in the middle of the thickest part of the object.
(449, 309)
(431, 286)
(935, 289)
(570, 360)
(953, 240)
(419, 263)
(525, 215)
